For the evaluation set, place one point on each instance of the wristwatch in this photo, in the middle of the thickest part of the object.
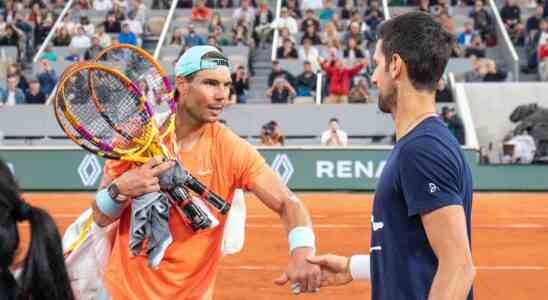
(114, 193)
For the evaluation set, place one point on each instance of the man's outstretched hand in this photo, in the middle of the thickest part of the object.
(335, 270)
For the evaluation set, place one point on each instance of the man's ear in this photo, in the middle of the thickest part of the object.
(396, 66)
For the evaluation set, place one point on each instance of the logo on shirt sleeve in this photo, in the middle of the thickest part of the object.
(433, 188)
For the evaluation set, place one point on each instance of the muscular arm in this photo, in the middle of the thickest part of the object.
(446, 231)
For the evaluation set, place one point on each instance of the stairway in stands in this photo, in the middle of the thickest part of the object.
(258, 84)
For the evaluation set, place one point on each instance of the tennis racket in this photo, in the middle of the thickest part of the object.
(78, 116)
(153, 82)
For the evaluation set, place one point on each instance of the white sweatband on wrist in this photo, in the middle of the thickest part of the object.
(300, 237)
(107, 205)
(360, 267)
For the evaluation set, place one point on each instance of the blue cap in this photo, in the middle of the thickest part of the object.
(195, 59)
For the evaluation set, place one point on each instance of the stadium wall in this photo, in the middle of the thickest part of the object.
(302, 168)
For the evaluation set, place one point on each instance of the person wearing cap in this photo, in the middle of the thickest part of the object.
(126, 36)
(223, 162)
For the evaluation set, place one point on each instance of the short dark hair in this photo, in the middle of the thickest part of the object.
(421, 43)
(334, 120)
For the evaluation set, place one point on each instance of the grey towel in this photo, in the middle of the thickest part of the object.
(149, 221)
(176, 176)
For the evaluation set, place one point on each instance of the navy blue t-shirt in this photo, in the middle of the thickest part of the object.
(425, 171)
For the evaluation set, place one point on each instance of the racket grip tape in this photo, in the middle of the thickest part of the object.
(215, 200)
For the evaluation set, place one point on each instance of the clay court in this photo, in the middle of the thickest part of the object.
(510, 241)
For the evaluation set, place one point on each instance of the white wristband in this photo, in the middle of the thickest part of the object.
(360, 267)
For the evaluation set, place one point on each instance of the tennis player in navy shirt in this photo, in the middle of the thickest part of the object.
(420, 231)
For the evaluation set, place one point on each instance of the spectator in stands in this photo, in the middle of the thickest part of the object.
(474, 75)
(464, 38)
(3, 25)
(424, 6)
(262, 29)
(111, 24)
(80, 40)
(454, 123)
(11, 36)
(352, 51)
(270, 135)
(193, 38)
(212, 41)
(443, 94)
(294, 10)
(95, 48)
(441, 7)
(354, 33)
(347, 10)
(447, 23)
(281, 92)
(312, 35)
(102, 5)
(200, 12)
(49, 53)
(511, 16)
(286, 21)
(543, 60)
(476, 48)
(89, 28)
(328, 12)
(491, 72)
(287, 51)
(62, 37)
(73, 55)
(334, 136)
(34, 94)
(47, 77)
(245, 11)
(119, 10)
(240, 34)
(240, 82)
(138, 9)
(215, 21)
(311, 4)
(225, 4)
(306, 81)
(310, 20)
(41, 30)
(126, 36)
(277, 71)
(359, 93)
(331, 35)
(12, 95)
(69, 24)
(284, 34)
(104, 39)
(532, 24)
(176, 38)
(483, 22)
(15, 70)
(339, 79)
(310, 54)
(373, 12)
(222, 38)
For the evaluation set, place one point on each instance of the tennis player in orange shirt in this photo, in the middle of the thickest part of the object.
(223, 162)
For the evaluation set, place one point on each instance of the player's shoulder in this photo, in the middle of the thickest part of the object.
(431, 138)
(223, 134)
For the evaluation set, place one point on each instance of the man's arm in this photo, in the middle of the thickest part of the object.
(275, 195)
(133, 183)
(447, 234)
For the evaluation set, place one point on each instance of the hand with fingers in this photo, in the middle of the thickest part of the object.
(143, 179)
(335, 270)
(303, 275)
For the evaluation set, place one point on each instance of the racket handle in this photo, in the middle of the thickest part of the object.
(197, 217)
(215, 200)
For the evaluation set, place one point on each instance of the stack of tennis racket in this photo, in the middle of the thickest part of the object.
(111, 106)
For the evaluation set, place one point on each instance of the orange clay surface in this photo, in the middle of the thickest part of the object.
(510, 243)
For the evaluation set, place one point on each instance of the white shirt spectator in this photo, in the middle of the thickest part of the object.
(312, 4)
(311, 55)
(11, 98)
(104, 40)
(135, 26)
(89, 29)
(288, 22)
(543, 37)
(524, 149)
(329, 138)
(248, 14)
(80, 42)
(70, 27)
(102, 5)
